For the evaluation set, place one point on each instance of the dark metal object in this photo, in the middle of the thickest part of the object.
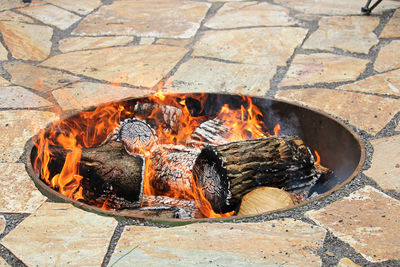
(367, 10)
(340, 149)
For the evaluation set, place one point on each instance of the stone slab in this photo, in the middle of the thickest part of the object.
(175, 42)
(10, 15)
(385, 166)
(2, 224)
(4, 82)
(261, 46)
(17, 127)
(398, 127)
(368, 220)
(85, 43)
(27, 41)
(247, 14)
(202, 75)
(273, 243)
(323, 68)
(9, 4)
(18, 194)
(386, 57)
(353, 34)
(3, 263)
(59, 234)
(37, 78)
(171, 18)
(346, 262)
(143, 65)
(392, 28)
(3, 52)
(367, 112)
(84, 7)
(82, 95)
(147, 40)
(386, 83)
(18, 97)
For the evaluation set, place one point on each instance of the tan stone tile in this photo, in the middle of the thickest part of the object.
(2, 224)
(398, 127)
(337, 7)
(3, 263)
(142, 65)
(59, 234)
(51, 15)
(323, 68)
(175, 42)
(84, 7)
(18, 193)
(27, 41)
(9, 4)
(392, 28)
(201, 75)
(368, 220)
(10, 15)
(84, 43)
(346, 262)
(147, 40)
(385, 167)
(387, 83)
(171, 18)
(17, 127)
(3, 53)
(85, 94)
(367, 112)
(385, 61)
(354, 34)
(262, 46)
(4, 82)
(18, 97)
(273, 243)
(37, 78)
(245, 14)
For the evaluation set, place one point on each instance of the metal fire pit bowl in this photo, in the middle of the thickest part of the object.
(340, 148)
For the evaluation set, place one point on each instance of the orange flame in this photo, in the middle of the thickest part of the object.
(318, 160)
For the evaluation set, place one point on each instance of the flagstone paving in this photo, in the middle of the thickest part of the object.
(3, 53)
(2, 224)
(84, 43)
(18, 97)
(3, 263)
(12, 16)
(385, 61)
(392, 29)
(84, 7)
(346, 262)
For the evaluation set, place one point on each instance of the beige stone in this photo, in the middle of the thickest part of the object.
(246, 14)
(262, 46)
(386, 57)
(353, 34)
(175, 42)
(59, 234)
(386, 83)
(85, 43)
(147, 40)
(51, 15)
(3, 53)
(4, 82)
(323, 68)
(27, 41)
(37, 78)
(83, 8)
(3, 263)
(10, 15)
(202, 75)
(82, 95)
(17, 127)
(385, 167)
(9, 4)
(18, 194)
(398, 127)
(368, 220)
(171, 18)
(2, 224)
(392, 28)
(272, 243)
(18, 97)
(346, 262)
(367, 112)
(143, 65)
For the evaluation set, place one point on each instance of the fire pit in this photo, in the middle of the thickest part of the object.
(191, 156)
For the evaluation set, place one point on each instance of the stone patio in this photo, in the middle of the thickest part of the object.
(59, 56)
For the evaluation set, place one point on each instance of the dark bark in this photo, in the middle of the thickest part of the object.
(159, 115)
(211, 132)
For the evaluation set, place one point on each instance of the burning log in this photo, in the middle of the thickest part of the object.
(210, 132)
(159, 115)
(227, 172)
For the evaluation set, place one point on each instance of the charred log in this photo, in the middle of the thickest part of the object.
(211, 132)
(157, 115)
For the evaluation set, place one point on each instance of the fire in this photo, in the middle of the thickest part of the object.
(318, 160)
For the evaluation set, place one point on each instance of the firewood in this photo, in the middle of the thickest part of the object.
(211, 132)
(158, 115)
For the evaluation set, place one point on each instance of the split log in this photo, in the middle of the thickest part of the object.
(211, 132)
(158, 115)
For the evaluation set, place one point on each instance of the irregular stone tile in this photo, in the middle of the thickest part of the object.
(385, 167)
(142, 65)
(4, 82)
(385, 61)
(3, 53)
(323, 68)
(10, 15)
(171, 18)
(368, 220)
(201, 75)
(2, 224)
(398, 127)
(392, 28)
(83, 8)
(346, 262)
(17, 127)
(85, 94)
(27, 41)
(18, 193)
(18, 97)
(3, 263)
(262, 46)
(84, 43)
(367, 112)
(273, 243)
(386, 83)
(353, 34)
(59, 234)
(175, 42)
(9, 4)
(338, 7)
(246, 14)
(147, 40)
(51, 15)
(37, 78)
